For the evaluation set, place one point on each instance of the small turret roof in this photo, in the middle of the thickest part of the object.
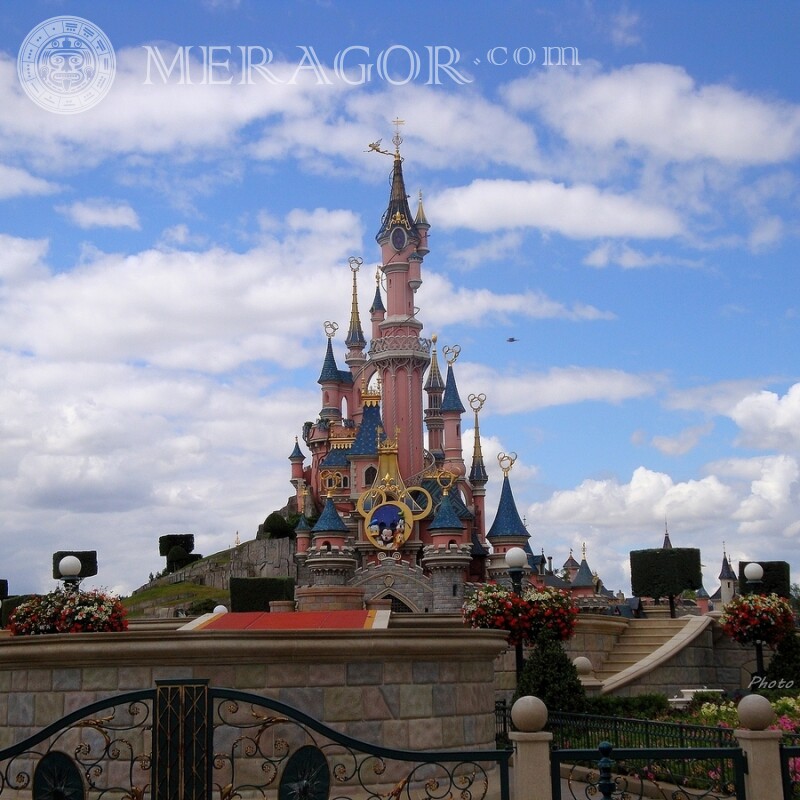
(571, 563)
(435, 382)
(727, 573)
(377, 302)
(329, 520)
(297, 453)
(355, 336)
(302, 525)
(446, 517)
(507, 521)
(584, 576)
(451, 401)
(330, 372)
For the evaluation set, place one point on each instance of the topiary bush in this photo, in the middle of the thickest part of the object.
(784, 667)
(255, 594)
(643, 706)
(550, 675)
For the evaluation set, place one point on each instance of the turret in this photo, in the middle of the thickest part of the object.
(508, 530)
(434, 388)
(452, 409)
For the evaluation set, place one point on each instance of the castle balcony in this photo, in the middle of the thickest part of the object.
(400, 346)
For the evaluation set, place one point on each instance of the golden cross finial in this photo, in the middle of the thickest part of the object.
(330, 328)
(397, 139)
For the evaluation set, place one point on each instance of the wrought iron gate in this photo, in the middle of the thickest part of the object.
(185, 740)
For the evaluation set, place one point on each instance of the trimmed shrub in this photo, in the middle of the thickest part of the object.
(665, 573)
(784, 665)
(643, 706)
(166, 543)
(275, 526)
(776, 579)
(550, 675)
(255, 594)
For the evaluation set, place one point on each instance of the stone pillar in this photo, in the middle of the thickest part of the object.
(531, 778)
(761, 748)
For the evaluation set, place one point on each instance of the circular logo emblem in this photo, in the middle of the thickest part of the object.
(66, 65)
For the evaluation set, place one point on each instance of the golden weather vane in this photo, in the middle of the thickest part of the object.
(506, 461)
(451, 353)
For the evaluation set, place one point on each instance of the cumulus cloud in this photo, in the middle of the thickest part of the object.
(516, 392)
(659, 109)
(15, 182)
(580, 211)
(627, 257)
(99, 213)
(769, 421)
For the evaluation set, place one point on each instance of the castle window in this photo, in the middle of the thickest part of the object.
(370, 474)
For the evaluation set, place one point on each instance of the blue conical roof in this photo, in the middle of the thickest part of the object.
(366, 441)
(507, 522)
(302, 525)
(297, 453)
(377, 303)
(451, 401)
(446, 517)
(330, 372)
(584, 575)
(329, 520)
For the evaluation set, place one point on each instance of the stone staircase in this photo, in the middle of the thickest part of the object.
(641, 639)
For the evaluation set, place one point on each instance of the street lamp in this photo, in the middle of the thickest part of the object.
(516, 559)
(753, 573)
(70, 569)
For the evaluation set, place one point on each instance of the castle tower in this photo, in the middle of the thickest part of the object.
(508, 529)
(398, 353)
(727, 580)
(452, 410)
(448, 558)
(434, 388)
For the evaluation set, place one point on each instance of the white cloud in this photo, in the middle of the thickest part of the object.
(22, 259)
(628, 258)
(489, 249)
(448, 304)
(768, 421)
(15, 182)
(518, 392)
(684, 442)
(99, 213)
(580, 211)
(624, 27)
(659, 109)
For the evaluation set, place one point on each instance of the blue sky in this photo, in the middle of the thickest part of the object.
(170, 256)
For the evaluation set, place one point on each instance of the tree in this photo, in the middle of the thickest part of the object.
(667, 572)
(550, 675)
(275, 526)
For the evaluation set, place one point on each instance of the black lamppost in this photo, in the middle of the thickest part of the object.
(753, 573)
(516, 560)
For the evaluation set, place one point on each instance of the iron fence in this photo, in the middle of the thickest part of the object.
(690, 773)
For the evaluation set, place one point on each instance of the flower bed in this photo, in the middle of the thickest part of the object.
(68, 611)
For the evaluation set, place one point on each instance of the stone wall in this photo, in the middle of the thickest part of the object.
(417, 687)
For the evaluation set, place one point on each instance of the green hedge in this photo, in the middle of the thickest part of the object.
(643, 706)
(166, 543)
(776, 579)
(255, 594)
(661, 573)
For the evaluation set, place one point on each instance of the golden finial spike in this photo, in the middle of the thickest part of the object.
(583, 551)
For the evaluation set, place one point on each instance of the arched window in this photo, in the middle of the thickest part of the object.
(370, 474)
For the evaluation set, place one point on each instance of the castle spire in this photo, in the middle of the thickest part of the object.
(398, 214)
(477, 474)
(507, 522)
(355, 335)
